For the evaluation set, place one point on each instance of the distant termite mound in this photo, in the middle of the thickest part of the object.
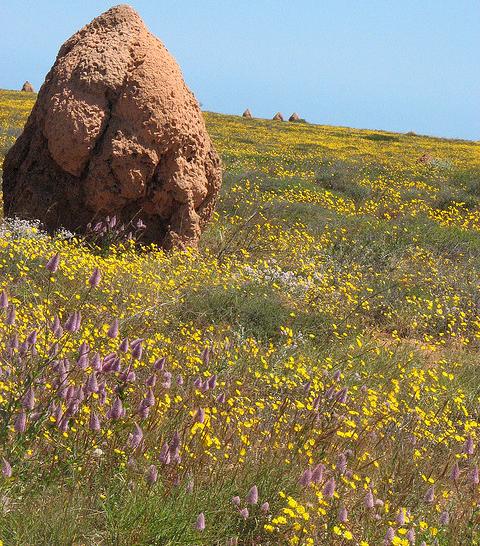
(247, 114)
(27, 87)
(278, 117)
(115, 132)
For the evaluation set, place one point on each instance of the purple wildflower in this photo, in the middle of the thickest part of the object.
(410, 536)
(53, 263)
(152, 474)
(28, 401)
(136, 437)
(444, 518)
(113, 330)
(252, 495)
(306, 478)
(94, 421)
(95, 278)
(342, 463)
(329, 488)
(137, 351)
(3, 299)
(164, 456)
(10, 318)
(317, 474)
(200, 415)
(244, 513)
(151, 380)
(236, 500)
(389, 535)
(455, 474)
(20, 423)
(475, 475)
(400, 519)
(343, 515)
(124, 346)
(116, 411)
(32, 337)
(92, 384)
(159, 364)
(265, 508)
(469, 447)
(6, 468)
(430, 494)
(369, 500)
(200, 524)
(149, 400)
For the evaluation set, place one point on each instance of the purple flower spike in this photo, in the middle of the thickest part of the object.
(53, 263)
(136, 437)
(200, 524)
(28, 401)
(252, 496)
(116, 411)
(200, 415)
(3, 299)
(389, 535)
(329, 488)
(475, 475)
(32, 337)
(95, 278)
(306, 478)
(236, 500)
(444, 518)
(400, 519)
(244, 513)
(124, 346)
(113, 330)
(342, 463)
(94, 422)
(221, 398)
(410, 536)
(430, 494)
(152, 475)
(71, 323)
(165, 456)
(317, 474)
(92, 384)
(149, 400)
(11, 314)
(455, 472)
(369, 500)
(343, 515)
(6, 469)
(20, 423)
(151, 380)
(137, 351)
(159, 364)
(265, 508)
(469, 447)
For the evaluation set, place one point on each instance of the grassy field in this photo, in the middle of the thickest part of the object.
(309, 376)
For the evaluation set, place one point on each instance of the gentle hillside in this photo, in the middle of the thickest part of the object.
(321, 347)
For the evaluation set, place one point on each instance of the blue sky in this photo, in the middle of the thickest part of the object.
(400, 65)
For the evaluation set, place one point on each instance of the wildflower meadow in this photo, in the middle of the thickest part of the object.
(308, 376)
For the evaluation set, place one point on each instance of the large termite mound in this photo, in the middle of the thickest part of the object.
(115, 132)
